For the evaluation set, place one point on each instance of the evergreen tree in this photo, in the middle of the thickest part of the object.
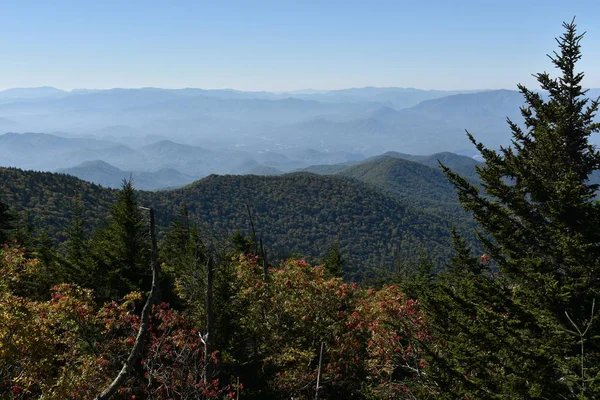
(184, 258)
(334, 261)
(121, 249)
(7, 220)
(193, 270)
(76, 246)
(507, 322)
(415, 278)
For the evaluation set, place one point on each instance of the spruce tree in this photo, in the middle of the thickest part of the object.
(334, 261)
(121, 249)
(76, 246)
(184, 256)
(7, 220)
(508, 324)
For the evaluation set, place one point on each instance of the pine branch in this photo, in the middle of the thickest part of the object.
(140, 340)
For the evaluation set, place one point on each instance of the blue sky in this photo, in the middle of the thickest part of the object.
(287, 45)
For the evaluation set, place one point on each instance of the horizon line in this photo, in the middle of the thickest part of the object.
(74, 90)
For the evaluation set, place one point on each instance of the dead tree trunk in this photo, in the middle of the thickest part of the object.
(140, 340)
(210, 320)
(253, 237)
(265, 264)
(319, 370)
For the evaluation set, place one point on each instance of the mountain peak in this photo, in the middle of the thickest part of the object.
(32, 92)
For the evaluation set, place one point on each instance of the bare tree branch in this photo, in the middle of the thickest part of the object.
(140, 340)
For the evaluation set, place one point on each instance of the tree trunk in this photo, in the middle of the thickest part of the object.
(140, 340)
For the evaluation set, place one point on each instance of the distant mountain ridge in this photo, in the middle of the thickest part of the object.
(32, 93)
(46, 152)
(232, 131)
(104, 174)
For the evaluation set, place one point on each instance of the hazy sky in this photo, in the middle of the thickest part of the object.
(286, 45)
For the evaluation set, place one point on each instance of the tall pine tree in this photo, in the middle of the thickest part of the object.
(510, 325)
(76, 247)
(7, 219)
(121, 249)
(333, 262)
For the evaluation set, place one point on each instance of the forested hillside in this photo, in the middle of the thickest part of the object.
(410, 181)
(296, 214)
(45, 199)
(303, 214)
(460, 164)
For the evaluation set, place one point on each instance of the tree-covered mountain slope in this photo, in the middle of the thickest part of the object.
(458, 163)
(297, 214)
(463, 165)
(416, 185)
(303, 213)
(415, 180)
(46, 199)
(419, 184)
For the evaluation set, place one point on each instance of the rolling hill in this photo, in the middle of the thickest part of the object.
(362, 121)
(106, 175)
(420, 186)
(52, 152)
(295, 213)
(463, 165)
(416, 183)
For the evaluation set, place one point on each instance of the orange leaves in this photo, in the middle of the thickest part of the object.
(68, 347)
(370, 335)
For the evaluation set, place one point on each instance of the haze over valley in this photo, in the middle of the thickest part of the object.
(169, 137)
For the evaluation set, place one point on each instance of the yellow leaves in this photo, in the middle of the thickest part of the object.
(131, 299)
(47, 347)
(293, 355)
(68, 347)
(25, 343)
(52, 349)
(15, 267)
(366, 332)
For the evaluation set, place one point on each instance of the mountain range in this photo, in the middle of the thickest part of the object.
(370, 120)
(297, 213)
(108, 176)
(192, 133)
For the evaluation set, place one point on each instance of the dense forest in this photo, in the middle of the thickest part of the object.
(366, 282)
(294, 214)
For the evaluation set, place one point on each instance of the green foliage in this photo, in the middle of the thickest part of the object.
(334, 261)
(300, 213)
(7, 220)
(422, 187)
(416, 278)
(294, 214)
(505, 323)
(371, 336)
(45, 200)
(68, 347)
(184, 258)
(121, 248)
(76, 247)
(517, 322)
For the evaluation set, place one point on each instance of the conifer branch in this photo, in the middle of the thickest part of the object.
(140, 340)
